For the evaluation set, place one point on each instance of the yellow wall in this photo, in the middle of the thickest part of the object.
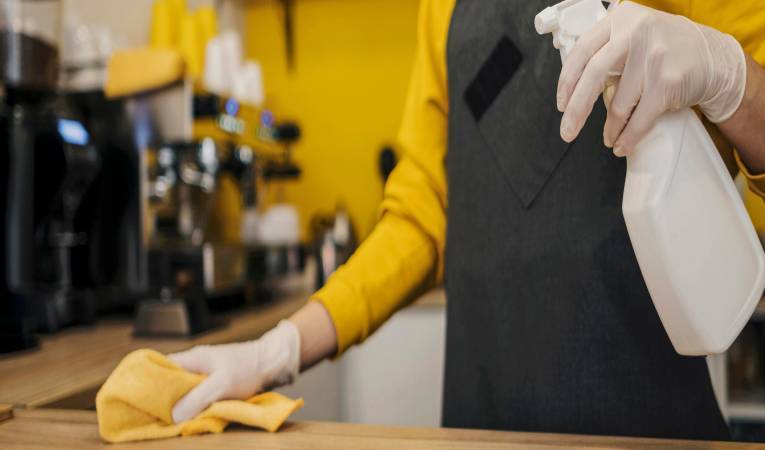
(352, 64)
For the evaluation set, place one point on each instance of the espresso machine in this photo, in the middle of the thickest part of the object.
(48, 165)
(190, 267)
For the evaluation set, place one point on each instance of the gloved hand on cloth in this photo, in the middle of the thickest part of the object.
(240, 370)
(151, 396)
(666, 62)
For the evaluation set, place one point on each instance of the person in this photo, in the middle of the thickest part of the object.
(549, 323)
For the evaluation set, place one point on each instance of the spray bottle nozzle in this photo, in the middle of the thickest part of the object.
(546, 21)
(568, 20)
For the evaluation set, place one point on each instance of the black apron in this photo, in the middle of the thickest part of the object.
(550, 326)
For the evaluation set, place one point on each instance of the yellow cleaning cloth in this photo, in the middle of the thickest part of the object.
(136, 402)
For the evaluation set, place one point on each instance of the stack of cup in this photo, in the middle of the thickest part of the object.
(226, 74)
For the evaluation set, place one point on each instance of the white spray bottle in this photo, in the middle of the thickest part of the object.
(698, 252)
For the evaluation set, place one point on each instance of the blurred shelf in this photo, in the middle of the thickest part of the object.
(746, 411)
(759, 312)
(750, 408)
(433, 298)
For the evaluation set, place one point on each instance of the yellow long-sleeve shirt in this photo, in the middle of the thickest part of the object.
(404, 255)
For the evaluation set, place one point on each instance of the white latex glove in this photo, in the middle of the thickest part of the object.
(666, 62)
(240, 370)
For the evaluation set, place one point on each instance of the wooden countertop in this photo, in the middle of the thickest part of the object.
(69, 367)
(6, 412)
(69, 429)
(435, 298)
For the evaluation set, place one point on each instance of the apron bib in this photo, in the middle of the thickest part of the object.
(550, 326)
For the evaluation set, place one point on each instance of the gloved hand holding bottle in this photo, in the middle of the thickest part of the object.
(679, 202)
(666, 62)
(241, 370)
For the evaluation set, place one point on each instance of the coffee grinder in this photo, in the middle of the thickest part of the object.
(48, 165)
(113, 263)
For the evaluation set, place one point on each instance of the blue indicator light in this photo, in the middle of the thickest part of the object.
(72, 132)
(267, 118)
(232, 107)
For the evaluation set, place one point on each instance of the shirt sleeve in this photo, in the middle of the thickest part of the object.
(403, 256)
(744, 20)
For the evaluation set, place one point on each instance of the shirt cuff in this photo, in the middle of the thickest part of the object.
(756, 182)
(345, 307)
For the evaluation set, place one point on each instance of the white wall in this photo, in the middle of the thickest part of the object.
(129, 20)
(320, 389)
(394, 378)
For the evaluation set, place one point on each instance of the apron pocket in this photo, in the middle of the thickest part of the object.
(512, 100)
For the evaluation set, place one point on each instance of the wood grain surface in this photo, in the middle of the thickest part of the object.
(70, 366)
(69, 429)
(6, 412)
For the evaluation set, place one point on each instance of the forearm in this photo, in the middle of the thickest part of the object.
(318, 339)
(746, 127)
